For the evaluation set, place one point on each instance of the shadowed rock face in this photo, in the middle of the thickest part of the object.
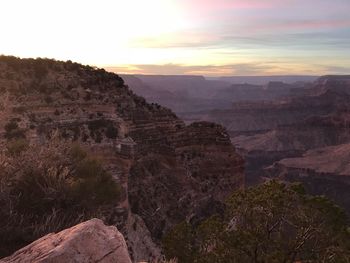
(140, 144)
(257, 117)
(312, 148)
(247, 92)
(314, 132)
(91, 241)
(199, 169)
(323, 171)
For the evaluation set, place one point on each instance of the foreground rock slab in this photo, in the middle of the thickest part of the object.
(90, 241)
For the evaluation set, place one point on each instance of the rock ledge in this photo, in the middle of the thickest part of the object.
(90, 241)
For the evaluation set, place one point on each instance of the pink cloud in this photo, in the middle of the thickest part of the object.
(301, 25)
(218, 5)
(319, 24)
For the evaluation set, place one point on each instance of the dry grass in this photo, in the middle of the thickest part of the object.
(41, 192)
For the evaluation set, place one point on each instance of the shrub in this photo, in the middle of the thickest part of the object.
(12, 130)
(48, 188)
(111, 132)
(48, 99)
(15, 147)
(77, 152)
(19, 109)
(94, 185)
(179, 243)
(269, 223)
(99, 125)
(40, 69)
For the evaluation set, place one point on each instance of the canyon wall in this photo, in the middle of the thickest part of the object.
(161, 163)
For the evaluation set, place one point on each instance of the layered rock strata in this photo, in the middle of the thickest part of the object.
(142, 145)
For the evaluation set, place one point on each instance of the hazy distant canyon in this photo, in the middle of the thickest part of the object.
(294, 128)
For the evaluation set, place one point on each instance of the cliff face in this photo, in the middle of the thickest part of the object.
(323, 171)
(142, 145)
(247, 92)
(188, 180)
(254, 117)
(336, 83)
(302, 123)
(312, 149)
(314, 132)
(268, 132)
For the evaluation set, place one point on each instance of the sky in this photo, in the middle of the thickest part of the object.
(200, 37)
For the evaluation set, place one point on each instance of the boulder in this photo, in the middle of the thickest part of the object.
(90, 241)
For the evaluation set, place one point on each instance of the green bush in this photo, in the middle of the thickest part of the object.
(272, 222)
(94, 185)
(180, 243)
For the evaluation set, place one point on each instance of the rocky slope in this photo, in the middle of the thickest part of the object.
(314, 132)
(336, 83)
(312, 149)
(323, 171)
(141, 144)
(327, 160)
(247, 92)
(323, 120)
(197, 171)
(257, 117)
(91, 241)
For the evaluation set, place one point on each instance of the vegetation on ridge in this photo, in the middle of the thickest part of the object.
(270, 223)
(47, 188)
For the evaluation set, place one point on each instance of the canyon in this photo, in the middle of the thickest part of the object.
(171, 169)
(276, 121)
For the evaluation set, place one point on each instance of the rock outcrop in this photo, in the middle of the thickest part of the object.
(285, 129)
(323, 171)
(247, 92)
(90, 241)
(314, 132)
(196, 167)
(257, 117)
(313, 148)
(328, 160)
